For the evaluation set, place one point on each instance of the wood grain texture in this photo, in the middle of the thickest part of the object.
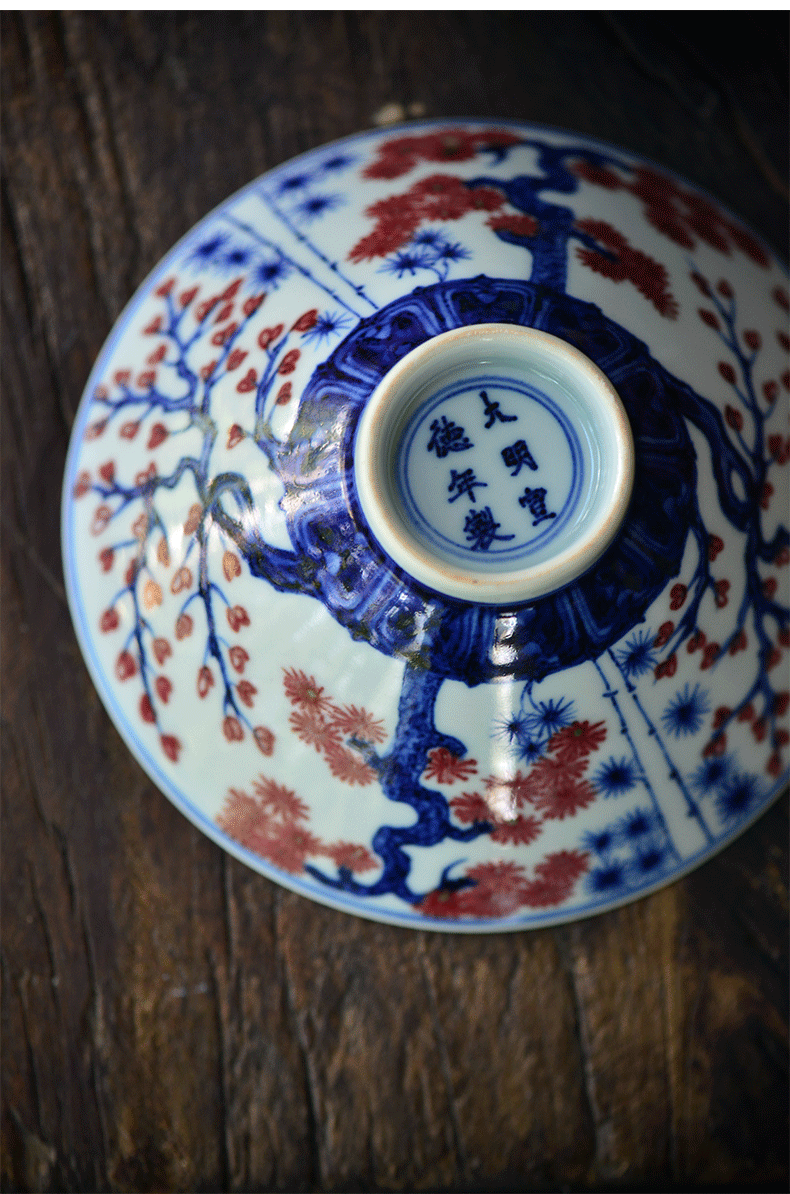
(171, 1020)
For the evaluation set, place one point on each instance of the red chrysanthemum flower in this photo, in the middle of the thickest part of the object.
(288, 846)
(508, 875)
(353, 857)
(401, 154)
(564, 866)
(448, 145)
(348, 766)
(498, 891)
(444, 904)
(622, 263)
(566, 796)
(470, 807)
(678, 213)
(446, 768)
(506, 795)
(437, 197)
(244, 819)
(304, 690)
(519, 225)
(577, 741)
(389, 234)
(521, 832)
(601, 176)
(546, 774)
(554, 878)
(280, 801)
(310, 726)
(359, 723)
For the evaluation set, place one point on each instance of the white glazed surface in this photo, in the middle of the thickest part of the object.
(258, 712)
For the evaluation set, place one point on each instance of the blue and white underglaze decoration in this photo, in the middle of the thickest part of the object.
(374, 742)
(474, 397)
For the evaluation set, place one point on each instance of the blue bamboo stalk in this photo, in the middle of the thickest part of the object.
(277, 211)
(611, 694)
(241, 226)
(691, 804)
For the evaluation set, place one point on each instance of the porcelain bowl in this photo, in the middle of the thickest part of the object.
(425, 526)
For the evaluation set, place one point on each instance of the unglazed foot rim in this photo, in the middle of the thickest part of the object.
(494, 463)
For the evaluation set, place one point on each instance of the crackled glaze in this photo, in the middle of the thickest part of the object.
(350, 731)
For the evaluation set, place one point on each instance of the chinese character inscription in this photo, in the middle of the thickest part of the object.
(447, 437)
(535, 501)
(480, 529)
(463, 483)
(493, 412)
(478, 422)
(518, 454)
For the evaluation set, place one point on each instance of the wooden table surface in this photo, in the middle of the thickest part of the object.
(171, 1020)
